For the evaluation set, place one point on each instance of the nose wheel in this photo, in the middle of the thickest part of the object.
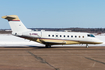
(87, 46)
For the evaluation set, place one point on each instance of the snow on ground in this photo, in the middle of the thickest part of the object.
(10, 40)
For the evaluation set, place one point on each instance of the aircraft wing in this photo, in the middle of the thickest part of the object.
(52, 42)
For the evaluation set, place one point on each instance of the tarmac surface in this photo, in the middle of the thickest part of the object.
(55, 58)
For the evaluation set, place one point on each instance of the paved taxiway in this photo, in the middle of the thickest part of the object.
(56, 58)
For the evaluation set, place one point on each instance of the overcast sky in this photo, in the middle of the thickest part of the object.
(55, 13)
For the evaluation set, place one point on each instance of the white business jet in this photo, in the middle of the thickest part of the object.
(50, 37)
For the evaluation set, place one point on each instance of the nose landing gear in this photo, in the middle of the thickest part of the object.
(87, 46)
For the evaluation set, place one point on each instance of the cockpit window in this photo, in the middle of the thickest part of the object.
(90, 35)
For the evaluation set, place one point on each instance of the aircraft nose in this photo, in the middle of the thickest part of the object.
(98, 41)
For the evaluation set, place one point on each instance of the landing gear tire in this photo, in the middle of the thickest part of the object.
(48, 46)
(87, 46)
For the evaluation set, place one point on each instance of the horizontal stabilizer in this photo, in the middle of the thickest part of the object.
(11, 18)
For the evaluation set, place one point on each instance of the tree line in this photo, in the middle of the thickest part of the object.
(89, 30)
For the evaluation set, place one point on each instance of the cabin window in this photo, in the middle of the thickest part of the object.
(52, 35)
(75, 36)
(56, 35)
(79, 36)
(82, 36)
(49, 35)
(68, 36)
(64, 35)
(60, 35)
(71, 36)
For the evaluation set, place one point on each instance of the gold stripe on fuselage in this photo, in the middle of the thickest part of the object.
(57, 41)
(61, 41)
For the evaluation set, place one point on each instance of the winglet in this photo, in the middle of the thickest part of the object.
(11, 17)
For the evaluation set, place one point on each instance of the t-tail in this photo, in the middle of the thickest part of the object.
(16, 25)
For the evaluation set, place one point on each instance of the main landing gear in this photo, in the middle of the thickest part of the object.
(48, 46)
(87, 46)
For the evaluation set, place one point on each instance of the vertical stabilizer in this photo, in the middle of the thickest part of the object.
(15, 23)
